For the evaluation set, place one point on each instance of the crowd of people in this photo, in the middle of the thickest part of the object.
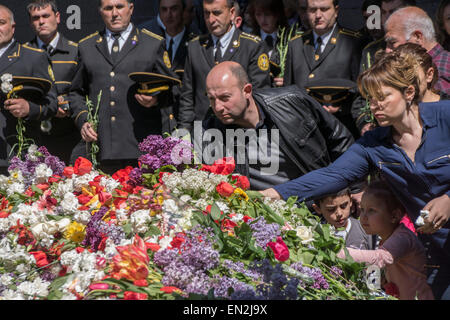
(359, 120)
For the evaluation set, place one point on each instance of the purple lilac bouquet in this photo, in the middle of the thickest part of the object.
(159, 152)
(35, 158)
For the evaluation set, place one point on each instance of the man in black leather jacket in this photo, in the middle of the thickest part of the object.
(294, 134)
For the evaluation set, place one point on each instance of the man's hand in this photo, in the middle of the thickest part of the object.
(19, 108)
(87, 133)
(439, 209)
(279, 82)
(146, 101)
(271, 193)
(61, 113)
(332, 109)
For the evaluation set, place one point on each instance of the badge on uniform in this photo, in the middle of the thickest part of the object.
(263, 62)
(167, 60)
(330, 91)
(333, 40)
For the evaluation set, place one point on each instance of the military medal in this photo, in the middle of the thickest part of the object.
(116, 49)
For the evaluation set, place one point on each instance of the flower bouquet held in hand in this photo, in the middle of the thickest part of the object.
(10, 91)
(92, 148)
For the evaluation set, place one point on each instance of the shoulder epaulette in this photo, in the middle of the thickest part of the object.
(297, 36)
(88, 37)
(72, 43)
(250, 36)
(352, 33)
(370, 44)
(195, 39)
(31, 48)
(151, 34)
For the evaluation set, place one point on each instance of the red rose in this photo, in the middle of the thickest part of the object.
(247, 218)
(241, 182)
(122, 175)
(82, 166)
(225, 189)
(130, 295)
(224, 166)
(228, 224)
(68, 172)
(280, 249)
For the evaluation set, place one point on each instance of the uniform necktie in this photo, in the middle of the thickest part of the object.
(269, 42)
(319, 46)
(218, 54)
(48, 48)
(115, 47)
(170, 49)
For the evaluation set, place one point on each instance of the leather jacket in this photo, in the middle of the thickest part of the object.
(310, 136)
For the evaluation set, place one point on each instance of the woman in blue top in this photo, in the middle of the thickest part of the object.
(411, 149)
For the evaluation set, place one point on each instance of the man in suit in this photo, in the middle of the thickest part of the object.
(327, 51)
(224, 42)
(60, 135)
(21, 60)
(106, 58)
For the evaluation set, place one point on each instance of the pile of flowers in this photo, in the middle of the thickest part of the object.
(164, 230)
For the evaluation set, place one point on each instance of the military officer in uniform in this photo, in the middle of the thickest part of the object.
(60, 135)
(326, 51)
(106, 58)
(224, 42)
(21, 60)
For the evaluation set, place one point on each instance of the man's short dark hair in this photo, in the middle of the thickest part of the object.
(41, 4)
(335, 3)
(318, 201)
(230, 3)
(183, 3)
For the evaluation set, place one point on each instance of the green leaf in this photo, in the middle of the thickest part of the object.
(254, 194)
(58, 282)
(127, 229)
(55, 295)
(215, 212)
(152, 231)
(36, 190)
(306, 257)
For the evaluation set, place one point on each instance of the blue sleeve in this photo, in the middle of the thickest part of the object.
(351, 166)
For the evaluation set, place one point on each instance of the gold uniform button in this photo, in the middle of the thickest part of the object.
(311, 75)
(112, 103)
(112, 74)
(112, 88)
(113, 118)
(171, 117)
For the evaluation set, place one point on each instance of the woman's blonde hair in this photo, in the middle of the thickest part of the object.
(393, 69)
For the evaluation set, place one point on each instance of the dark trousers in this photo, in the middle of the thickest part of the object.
(111, 166)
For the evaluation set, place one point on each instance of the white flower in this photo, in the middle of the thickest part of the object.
(6, 87)
(32, 150)
(109, 184)
(42, 173)
(139, 221)
(15, 187)
(6, 280)
(70, 203)
(165, 242)
(305, 233)
(6, 77)
(170, 205)
(82, 217)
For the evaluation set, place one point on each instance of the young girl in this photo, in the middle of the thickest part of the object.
(400, 252)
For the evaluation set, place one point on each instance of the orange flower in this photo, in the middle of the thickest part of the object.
(132, 261)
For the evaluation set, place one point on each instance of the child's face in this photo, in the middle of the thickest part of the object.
(335, 210)
(375, 217)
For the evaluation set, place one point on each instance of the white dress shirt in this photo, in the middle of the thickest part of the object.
(52, 43)
(176, 42)
(122, 39)
(224, 41)
(3, 50)
(325, 38)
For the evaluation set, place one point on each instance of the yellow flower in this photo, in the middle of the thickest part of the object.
(75, 232)
(241, 193)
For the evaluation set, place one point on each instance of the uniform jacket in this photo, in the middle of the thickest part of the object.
(339, 59)
(245, 49)
(22, 60)
(309, 135)
(64, 134)
(123, 122)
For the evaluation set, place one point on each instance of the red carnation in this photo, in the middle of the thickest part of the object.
(130, 295)
(241, 182)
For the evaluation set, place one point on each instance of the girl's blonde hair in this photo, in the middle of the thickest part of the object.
(394, 70)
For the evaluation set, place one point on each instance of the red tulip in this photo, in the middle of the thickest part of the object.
(225, 189)
(280, 249)
(82, 166)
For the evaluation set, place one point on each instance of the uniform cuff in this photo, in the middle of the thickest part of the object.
(80, 119)
(35, 111)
